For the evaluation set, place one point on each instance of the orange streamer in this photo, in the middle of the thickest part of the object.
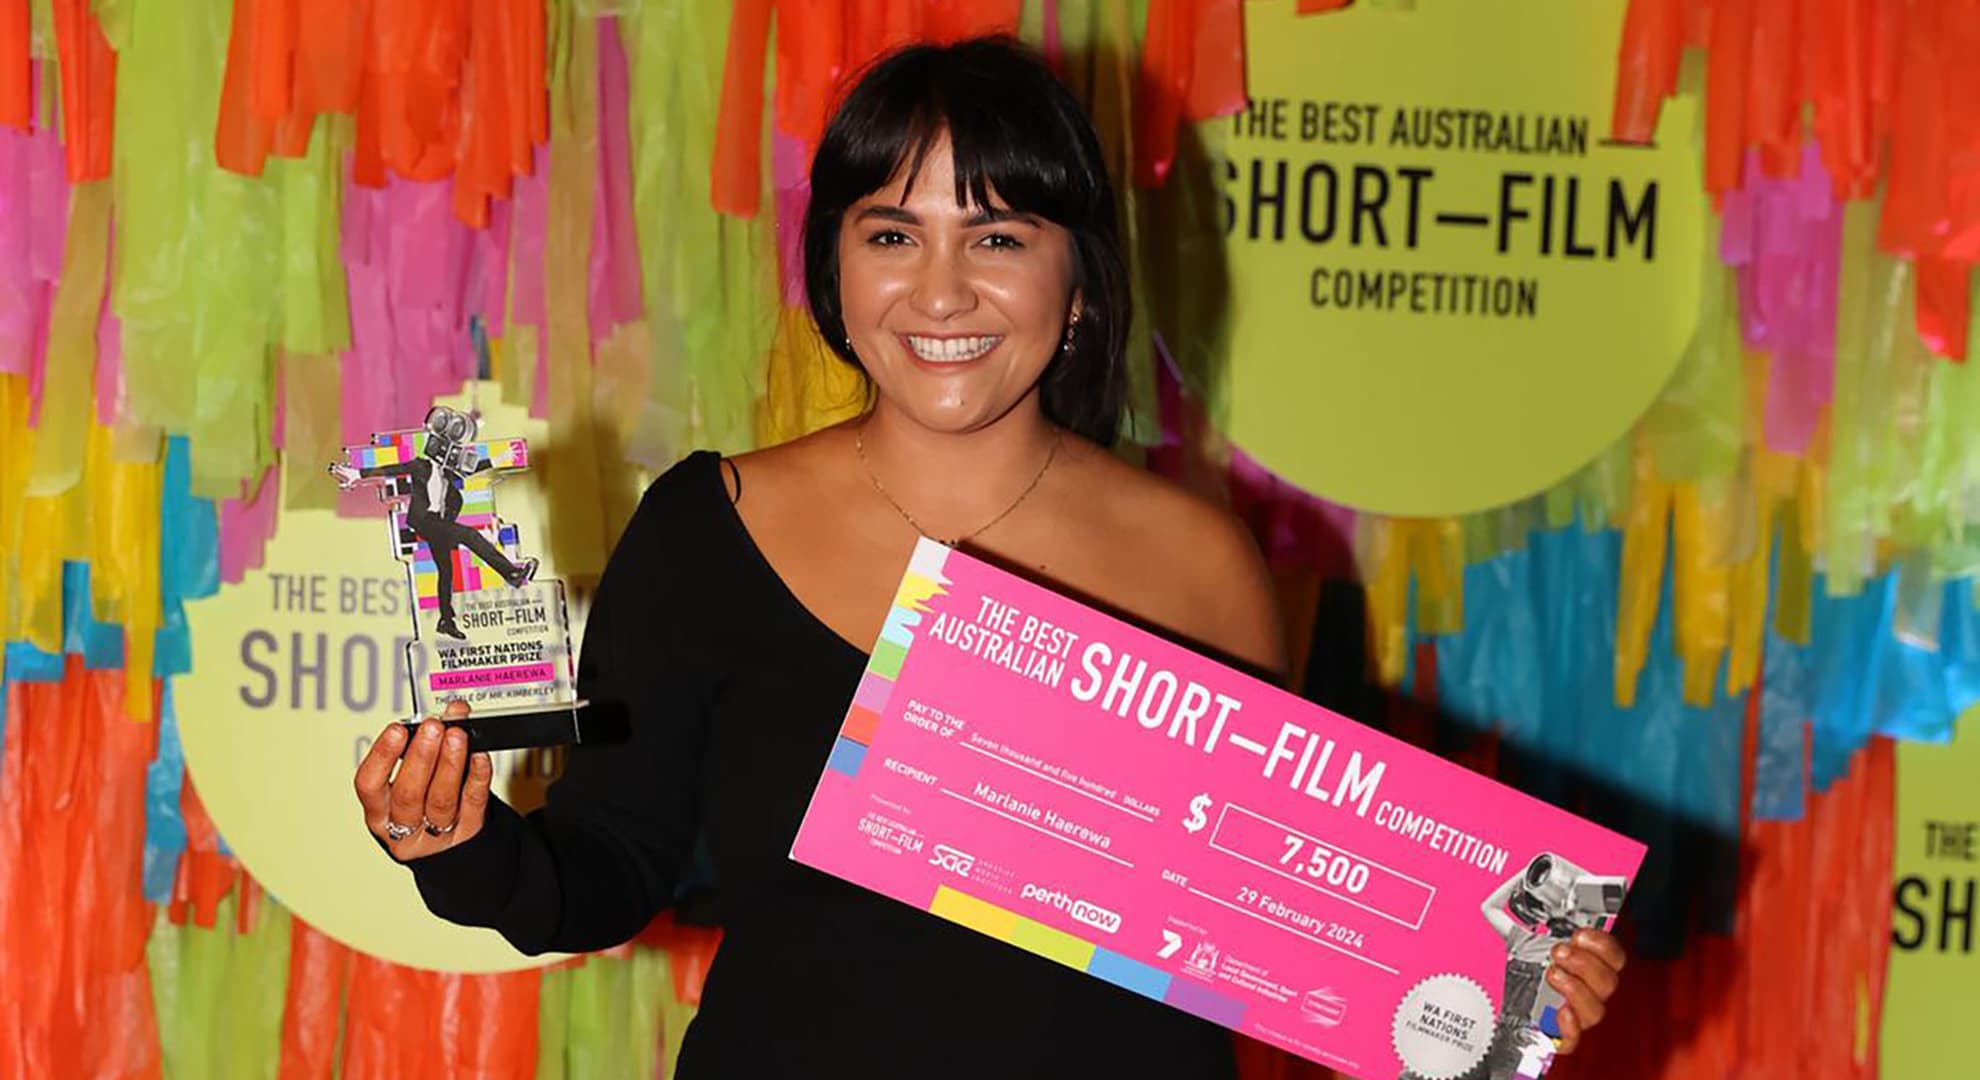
(319, 970)
(16, 66)
(820, 44)
(89, 90)
(1192, 66)
(736, 173)
(75, 994)
(440, 89)
(1886, 89)
(404, 1021)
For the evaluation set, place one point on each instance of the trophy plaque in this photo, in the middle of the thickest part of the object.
(485, 630)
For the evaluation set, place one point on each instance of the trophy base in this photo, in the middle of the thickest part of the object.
(551, 725)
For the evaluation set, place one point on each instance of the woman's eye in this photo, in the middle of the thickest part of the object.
(1002, 241)
(888, 238)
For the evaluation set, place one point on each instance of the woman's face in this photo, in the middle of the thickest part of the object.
(953, 310)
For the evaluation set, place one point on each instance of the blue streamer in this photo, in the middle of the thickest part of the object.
(164, 827)
(1959, 647)
(1787, 699)
(188, 558)
(189, 537)
(1848, 638)
(1490, 673)
(100, 644)
(29, 664)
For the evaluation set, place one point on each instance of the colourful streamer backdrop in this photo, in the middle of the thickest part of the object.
(235, 237)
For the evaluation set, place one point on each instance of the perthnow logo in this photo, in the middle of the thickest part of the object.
(1084, 911)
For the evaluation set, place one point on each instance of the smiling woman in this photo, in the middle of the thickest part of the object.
(960, 206)
(961, 250)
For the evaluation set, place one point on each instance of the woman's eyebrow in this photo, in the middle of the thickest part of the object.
(998, 215)
(887, 213)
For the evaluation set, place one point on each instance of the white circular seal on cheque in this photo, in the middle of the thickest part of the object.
(1443, 1027)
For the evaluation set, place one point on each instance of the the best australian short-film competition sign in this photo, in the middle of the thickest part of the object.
(1448, 290)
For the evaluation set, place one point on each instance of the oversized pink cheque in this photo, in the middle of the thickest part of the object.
(1050, 776)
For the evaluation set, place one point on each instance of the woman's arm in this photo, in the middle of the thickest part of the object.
(1494, 908)
(616, 834)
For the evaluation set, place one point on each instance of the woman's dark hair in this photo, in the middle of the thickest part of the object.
(1014, 129)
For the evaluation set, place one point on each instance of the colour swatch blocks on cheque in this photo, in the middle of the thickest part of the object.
(1030, 768)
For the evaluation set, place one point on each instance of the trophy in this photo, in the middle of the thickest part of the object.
(485, 630)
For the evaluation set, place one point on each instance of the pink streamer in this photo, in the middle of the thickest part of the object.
(1784, 237)
(614, 282)
(412, 271)
(18, 307)
(246, 526)
(491, 266)
(109, 363)
(789, 169)
(34, 218)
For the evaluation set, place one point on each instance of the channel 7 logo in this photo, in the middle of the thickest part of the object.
(955, 862)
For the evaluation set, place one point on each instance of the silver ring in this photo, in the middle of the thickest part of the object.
(431, 831)
(396, 832)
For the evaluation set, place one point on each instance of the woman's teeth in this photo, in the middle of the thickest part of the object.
(953, 350)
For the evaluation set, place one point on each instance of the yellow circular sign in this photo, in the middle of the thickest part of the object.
(298, 667)
(1448, 292)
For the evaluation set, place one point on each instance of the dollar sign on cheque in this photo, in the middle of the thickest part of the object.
(1197, 817)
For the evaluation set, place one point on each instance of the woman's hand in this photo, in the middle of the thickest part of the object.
(1585, 971)
(426, 808)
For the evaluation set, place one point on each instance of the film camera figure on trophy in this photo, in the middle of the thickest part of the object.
(485, 630)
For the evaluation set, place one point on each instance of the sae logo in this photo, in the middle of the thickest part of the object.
(955, 862)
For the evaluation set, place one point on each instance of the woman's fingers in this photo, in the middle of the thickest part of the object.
(374, 775)
(1570, 1032)
(1584, 1002)
(443, 792)
(474, 796)
(1603, 944)
(1588, 966)
(415, 772)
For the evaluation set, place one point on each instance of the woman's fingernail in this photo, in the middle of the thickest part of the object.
(432, 732)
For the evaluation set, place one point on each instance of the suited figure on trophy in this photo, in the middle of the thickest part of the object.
(433, 507)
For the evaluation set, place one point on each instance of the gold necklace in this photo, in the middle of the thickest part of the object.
(859, 446)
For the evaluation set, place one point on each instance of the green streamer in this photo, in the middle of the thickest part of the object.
(1696, 427)
(1031, 23)
(219, 994)
(1948, 466)
(1873, 311)
(553, 1006)
(606, 1017)
(1595, 495)
(196, 268)
(315, 306)
(711, 290)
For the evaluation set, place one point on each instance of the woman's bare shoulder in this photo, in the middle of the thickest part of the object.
(801, 463)
(1202, 555)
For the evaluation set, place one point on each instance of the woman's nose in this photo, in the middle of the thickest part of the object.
(942, 289)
